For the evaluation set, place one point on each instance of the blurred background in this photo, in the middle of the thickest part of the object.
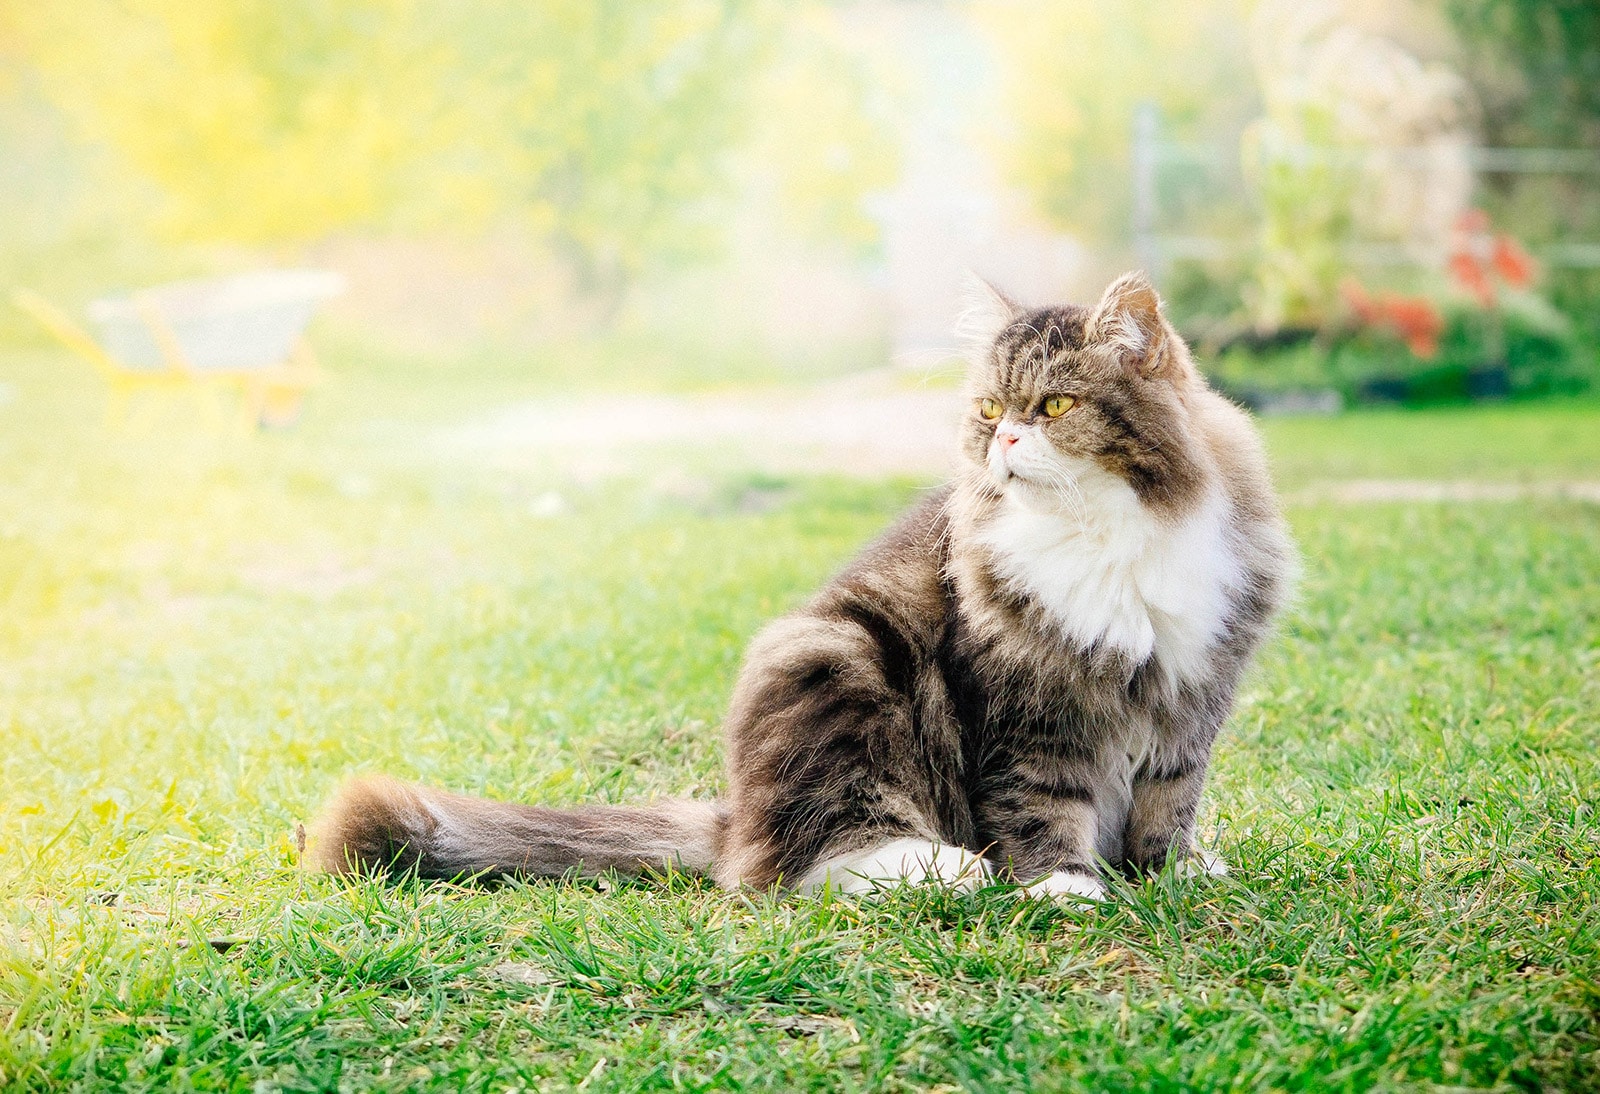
(451, 389)
(1341, 202)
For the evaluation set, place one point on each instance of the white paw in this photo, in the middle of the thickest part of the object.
(1068, 886)
(902, 861)
(1202, 863)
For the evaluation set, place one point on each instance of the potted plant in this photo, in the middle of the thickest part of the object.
(1486, 266)
(1385, 340)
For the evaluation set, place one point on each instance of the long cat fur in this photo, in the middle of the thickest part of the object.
(1024, 676)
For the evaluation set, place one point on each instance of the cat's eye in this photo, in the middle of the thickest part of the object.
(990, 409)
(1058, 405)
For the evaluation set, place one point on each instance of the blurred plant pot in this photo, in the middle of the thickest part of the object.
(1488, 382)
(1383, 389)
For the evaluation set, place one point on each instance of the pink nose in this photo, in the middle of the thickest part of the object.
(1006, 440)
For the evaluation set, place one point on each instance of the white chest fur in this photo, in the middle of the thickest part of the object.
(1107, 570)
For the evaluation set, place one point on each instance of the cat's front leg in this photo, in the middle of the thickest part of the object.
(1041, 814)
(1166, 799)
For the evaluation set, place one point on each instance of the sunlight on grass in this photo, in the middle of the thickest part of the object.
(199, 638)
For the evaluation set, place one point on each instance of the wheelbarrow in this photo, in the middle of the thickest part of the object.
(241, 337)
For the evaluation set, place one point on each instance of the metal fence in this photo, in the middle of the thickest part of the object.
(1165, 170)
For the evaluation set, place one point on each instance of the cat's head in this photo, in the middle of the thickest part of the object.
(1060, 397)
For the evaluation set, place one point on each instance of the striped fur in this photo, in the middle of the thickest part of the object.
(1030, 667)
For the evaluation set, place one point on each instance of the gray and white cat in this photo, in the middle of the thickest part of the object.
(1023, 677)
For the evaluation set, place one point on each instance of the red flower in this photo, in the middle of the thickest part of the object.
(1418, 322)
(1478, 259)
(1413, 318)
(1514, 265)
(1471, 275)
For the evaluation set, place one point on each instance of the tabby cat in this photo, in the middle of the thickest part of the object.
(1022, 678)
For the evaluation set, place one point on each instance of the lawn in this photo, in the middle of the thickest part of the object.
(199, 639)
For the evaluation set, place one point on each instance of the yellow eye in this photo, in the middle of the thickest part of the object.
(989, 409)
(1059, 405)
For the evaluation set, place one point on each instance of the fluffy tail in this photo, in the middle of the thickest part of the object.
(379, 825)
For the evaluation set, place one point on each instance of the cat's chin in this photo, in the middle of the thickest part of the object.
(1034, 495)
(1069, 486)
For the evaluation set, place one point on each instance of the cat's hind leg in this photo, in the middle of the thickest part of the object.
(842, 764)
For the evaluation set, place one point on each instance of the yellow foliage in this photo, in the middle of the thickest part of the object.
(823, 134)
(243, 139)
(604, 125)
(1073, 73)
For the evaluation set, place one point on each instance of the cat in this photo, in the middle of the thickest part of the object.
(1022, 679)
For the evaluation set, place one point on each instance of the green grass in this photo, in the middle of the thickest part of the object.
(1514, 441)
(198, 639)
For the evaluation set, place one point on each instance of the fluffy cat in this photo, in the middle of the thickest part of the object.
(1023, 677)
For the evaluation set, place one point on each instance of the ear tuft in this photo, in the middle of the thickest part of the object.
(985, 312)
(1128, 319)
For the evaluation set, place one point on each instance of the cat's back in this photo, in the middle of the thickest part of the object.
(1229, 435)
(1260, 537)
(899, 577)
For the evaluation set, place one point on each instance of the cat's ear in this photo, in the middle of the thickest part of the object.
(1128, 320)
(985, 312)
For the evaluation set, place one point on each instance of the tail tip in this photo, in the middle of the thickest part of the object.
(371, 825)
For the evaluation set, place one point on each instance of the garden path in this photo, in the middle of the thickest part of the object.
(871, 425)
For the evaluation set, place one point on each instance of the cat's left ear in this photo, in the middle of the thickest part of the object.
(985, 312)
(1128, 320)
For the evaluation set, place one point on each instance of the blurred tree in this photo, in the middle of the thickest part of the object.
(823, 136)
(254, 120)
(1337, 102)
(1552, 49)
(1072, 73)
(605, 127)
(612, 121)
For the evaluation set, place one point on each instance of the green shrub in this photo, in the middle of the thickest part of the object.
(1528, 350)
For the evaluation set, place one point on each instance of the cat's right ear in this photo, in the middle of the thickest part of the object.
(1128, 319)
(985, 312)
